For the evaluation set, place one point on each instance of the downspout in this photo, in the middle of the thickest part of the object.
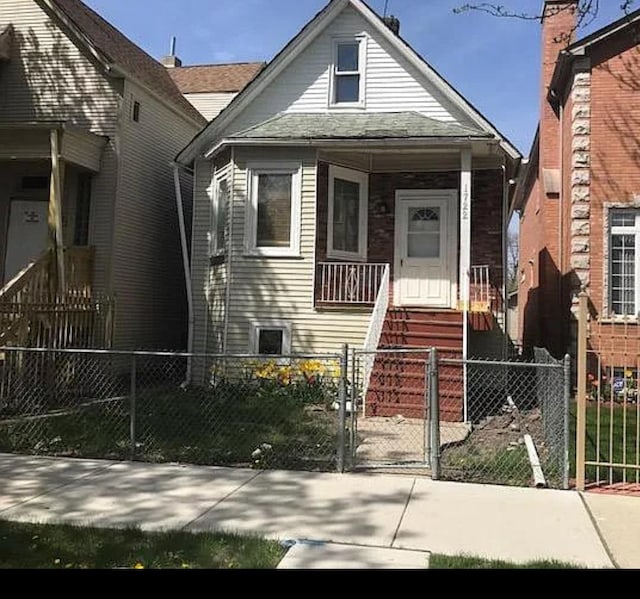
(185, 264)
(561, 219)
(229, 250)
(505, 258)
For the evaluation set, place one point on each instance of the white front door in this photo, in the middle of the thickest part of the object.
(425, 245)
(26, 236)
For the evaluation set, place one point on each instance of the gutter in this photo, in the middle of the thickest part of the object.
(185, 263)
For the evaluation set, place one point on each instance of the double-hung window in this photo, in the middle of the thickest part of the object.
(348, 72)
(624, 262)
(273, 218)
(219, 207)
(347, 226)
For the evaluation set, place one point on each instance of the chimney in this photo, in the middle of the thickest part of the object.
(392, 23)
(559, 23)
(172, 61)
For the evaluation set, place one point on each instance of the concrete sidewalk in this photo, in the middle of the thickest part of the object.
(353, 520)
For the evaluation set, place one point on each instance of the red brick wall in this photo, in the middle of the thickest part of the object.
(615, 141)
(486, 214)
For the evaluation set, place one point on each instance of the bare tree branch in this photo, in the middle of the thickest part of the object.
(586, 10)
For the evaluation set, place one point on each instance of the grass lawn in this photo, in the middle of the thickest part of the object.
(60, 546)
(66, 547)
(467, 562)
(611, 448)
(222, 426)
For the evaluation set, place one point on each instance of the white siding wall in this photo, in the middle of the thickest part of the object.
(282, 288)
(49, 78)
(210, 105)
(392, 84)
(147, 264)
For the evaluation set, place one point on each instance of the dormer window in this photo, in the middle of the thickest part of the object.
(348, 73)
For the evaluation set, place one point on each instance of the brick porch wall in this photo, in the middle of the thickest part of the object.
(486, 216)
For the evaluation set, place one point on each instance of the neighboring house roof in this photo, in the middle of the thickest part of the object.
(117, 49)
(300, 42)
(580, 47)
(397, 125)
(558, 80)
(214, 78)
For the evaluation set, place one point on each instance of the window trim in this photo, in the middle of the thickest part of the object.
(214, 249)
(361, 40)
(623, 230)
(254, 170)
(258, 325)
(362, 179)
(136, 108)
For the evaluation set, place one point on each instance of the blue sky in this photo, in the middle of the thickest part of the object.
(493, 62)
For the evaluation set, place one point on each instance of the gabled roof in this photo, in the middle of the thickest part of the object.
(582, 46)
(382, 125)
(113, 47)
(299, 43)
(214, 78)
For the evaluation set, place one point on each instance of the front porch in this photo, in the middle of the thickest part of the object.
(47, 296)
(423, 250)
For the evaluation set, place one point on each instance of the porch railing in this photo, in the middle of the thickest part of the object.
(376, 323)
(484, 296)
(349, 283)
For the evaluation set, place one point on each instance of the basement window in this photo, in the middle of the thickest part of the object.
(270, 338)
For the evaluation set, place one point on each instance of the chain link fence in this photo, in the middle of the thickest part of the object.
(252, 411)
(517, 423)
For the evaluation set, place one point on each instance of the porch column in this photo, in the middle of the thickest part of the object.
(465, 228)
(465, 265)
(56, 240)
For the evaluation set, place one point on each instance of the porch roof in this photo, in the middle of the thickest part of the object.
(30, 141)
(387, 125)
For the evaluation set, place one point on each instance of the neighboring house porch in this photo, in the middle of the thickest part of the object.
(46, 267)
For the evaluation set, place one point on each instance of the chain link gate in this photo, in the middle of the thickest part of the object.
(388, 409)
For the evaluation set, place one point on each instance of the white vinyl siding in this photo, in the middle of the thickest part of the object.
(148, 275)
(392, 84)
(267, 289)
(49, 78)
(209, 105)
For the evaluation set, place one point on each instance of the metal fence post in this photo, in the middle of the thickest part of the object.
(581, 407)
(355, 389)
(427, 407)
(132, 408)
(434, 410)
(565, 407)
(344, 360)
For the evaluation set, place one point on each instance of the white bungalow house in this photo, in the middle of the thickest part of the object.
(349, 195)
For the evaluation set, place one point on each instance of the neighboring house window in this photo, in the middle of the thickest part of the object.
(348, 73)
(347, 226)
(273, 219)
(624, 262)
(135, 112)
(270, 338)
(83, 210)
(219, 207)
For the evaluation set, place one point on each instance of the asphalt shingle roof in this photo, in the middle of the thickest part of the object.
(123, 52)
(214, 78)
(395, 125)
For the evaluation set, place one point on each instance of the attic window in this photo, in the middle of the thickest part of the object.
(348, 73)
(135, 113)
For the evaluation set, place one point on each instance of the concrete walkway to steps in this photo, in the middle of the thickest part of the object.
(372, 520)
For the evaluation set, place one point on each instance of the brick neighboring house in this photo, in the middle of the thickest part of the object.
(579, 195)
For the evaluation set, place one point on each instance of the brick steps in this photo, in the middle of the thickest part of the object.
(397, 385)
